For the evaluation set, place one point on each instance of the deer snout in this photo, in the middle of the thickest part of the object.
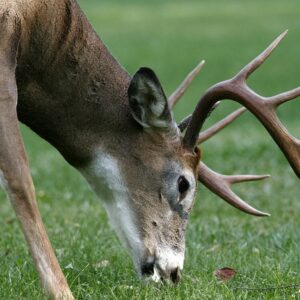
(163, 268)
(155, 273)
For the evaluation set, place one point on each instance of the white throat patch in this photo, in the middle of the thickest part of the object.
(105, 178)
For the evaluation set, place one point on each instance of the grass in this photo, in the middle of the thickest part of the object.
(171, 37)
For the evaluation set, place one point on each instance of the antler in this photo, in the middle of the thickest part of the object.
(264, 108)
(217, 183)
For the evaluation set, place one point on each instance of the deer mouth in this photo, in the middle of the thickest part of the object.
(160, 276)
(155, 271)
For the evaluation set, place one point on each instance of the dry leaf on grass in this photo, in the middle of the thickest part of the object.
(225, 274)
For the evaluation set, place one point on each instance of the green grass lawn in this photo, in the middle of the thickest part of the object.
(172, 37)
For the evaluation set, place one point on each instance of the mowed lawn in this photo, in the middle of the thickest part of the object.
(172, 37)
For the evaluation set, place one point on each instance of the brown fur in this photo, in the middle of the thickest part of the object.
(69, 89)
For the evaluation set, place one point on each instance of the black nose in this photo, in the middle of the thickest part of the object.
(175, 275)
(148, 268)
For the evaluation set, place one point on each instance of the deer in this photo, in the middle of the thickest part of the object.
(59, 79)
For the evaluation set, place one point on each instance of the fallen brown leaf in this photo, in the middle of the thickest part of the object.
(225, 274)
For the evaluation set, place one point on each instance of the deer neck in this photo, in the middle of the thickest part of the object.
(72, 92)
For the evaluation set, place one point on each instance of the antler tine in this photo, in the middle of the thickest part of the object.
(207, 134)
(242, 178)
(173, 99)
(221, 186)
(262, 107)
(279, 99)
(259, 60)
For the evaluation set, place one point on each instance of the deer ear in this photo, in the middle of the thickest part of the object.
(147, 101)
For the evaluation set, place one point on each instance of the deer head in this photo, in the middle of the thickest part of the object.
(149, 191)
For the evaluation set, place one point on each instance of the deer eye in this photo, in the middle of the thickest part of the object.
(183, 185)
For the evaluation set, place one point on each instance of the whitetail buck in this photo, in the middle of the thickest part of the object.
(59, 79)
